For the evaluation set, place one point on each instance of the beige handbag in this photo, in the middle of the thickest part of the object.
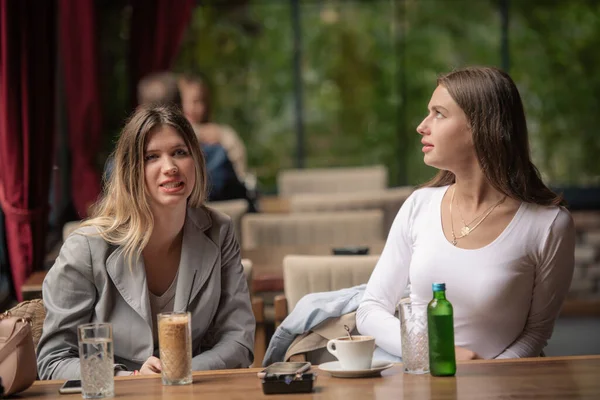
(18, 367)
(33, 311)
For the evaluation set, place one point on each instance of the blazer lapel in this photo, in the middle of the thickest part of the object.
(199, 254)
(131, 283)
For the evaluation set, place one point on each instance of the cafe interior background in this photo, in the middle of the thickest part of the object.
(305, 84)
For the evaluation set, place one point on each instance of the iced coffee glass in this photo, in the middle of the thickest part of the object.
(175, 346)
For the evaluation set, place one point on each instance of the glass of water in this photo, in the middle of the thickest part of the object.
(413, 332)
(96, 360)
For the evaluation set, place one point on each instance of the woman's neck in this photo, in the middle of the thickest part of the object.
(475, 192)
(168, 230)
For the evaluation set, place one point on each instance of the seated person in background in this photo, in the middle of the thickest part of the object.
(136, 256)
(223, 182)
(486, 225)
(197, 107)
(225, 152)
(160, 88)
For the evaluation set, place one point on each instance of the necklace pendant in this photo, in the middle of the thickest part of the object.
(454, 242)
(465, 231)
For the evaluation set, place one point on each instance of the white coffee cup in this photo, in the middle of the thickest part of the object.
(355, 354)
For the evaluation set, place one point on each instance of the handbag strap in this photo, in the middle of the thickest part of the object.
(15, 339)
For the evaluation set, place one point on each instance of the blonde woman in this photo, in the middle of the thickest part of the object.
(136, 256)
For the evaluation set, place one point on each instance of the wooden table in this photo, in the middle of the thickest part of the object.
(534, 378)
(32, 288)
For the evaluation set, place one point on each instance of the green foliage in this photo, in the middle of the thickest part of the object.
(555, 52)
(369, 68)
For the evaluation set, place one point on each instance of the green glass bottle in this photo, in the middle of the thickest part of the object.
(440, 326)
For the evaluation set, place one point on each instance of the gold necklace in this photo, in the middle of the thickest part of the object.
(466, 229)
(465, 232)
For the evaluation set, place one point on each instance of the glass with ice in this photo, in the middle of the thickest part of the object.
(96, 360)
(415, 343)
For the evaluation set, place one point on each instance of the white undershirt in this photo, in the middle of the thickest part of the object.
(506, 295)
(161, 304)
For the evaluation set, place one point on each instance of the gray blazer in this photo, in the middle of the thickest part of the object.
(91, 282)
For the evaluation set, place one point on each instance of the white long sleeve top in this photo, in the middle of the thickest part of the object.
(506, 295)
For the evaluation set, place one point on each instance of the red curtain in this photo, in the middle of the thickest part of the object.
(80, 75)
(27, 125)
(157, 29)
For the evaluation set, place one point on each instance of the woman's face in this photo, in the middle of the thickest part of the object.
(447, 138)
(169, 168)
(192, 102)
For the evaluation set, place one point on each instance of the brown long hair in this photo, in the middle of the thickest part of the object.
(491, 101)
(122, 215)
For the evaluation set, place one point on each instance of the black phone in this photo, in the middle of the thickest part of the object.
(351, 251)
(287, 377)
(70, 386)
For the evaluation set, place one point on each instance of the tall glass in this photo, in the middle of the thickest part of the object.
(415, 343)
(175, 346)
(96, 360)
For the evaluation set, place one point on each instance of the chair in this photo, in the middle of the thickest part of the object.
(234, 208)
(331, 228)
(388, 200)
(310, 274)
(258, 309)
(332, 180)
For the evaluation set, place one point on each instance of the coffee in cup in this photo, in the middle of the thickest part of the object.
(354, 353)
(175, 347)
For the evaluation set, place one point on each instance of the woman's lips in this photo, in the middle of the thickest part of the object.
(169, 188)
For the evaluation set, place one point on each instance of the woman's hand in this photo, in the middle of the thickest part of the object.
(465, 354)
(152, 366)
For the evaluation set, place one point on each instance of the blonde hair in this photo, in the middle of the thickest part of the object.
(122, 215)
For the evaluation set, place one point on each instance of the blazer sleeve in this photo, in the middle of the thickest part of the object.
(69, 297)
(230, 339)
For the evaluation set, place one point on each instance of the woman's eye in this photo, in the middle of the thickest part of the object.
(181, 152)
(439, 115)
(149, 157)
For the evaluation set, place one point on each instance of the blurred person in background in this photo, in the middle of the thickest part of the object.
(163, 89)
(159, 89)
(486, 225)
(221, 144)
(148, 237)
(197, 107)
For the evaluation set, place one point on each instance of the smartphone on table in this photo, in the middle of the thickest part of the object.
(70, 386)
(287, 377)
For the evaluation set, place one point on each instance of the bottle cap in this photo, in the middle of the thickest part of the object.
(438, 286)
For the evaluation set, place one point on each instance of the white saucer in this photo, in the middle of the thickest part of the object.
(335, 369)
